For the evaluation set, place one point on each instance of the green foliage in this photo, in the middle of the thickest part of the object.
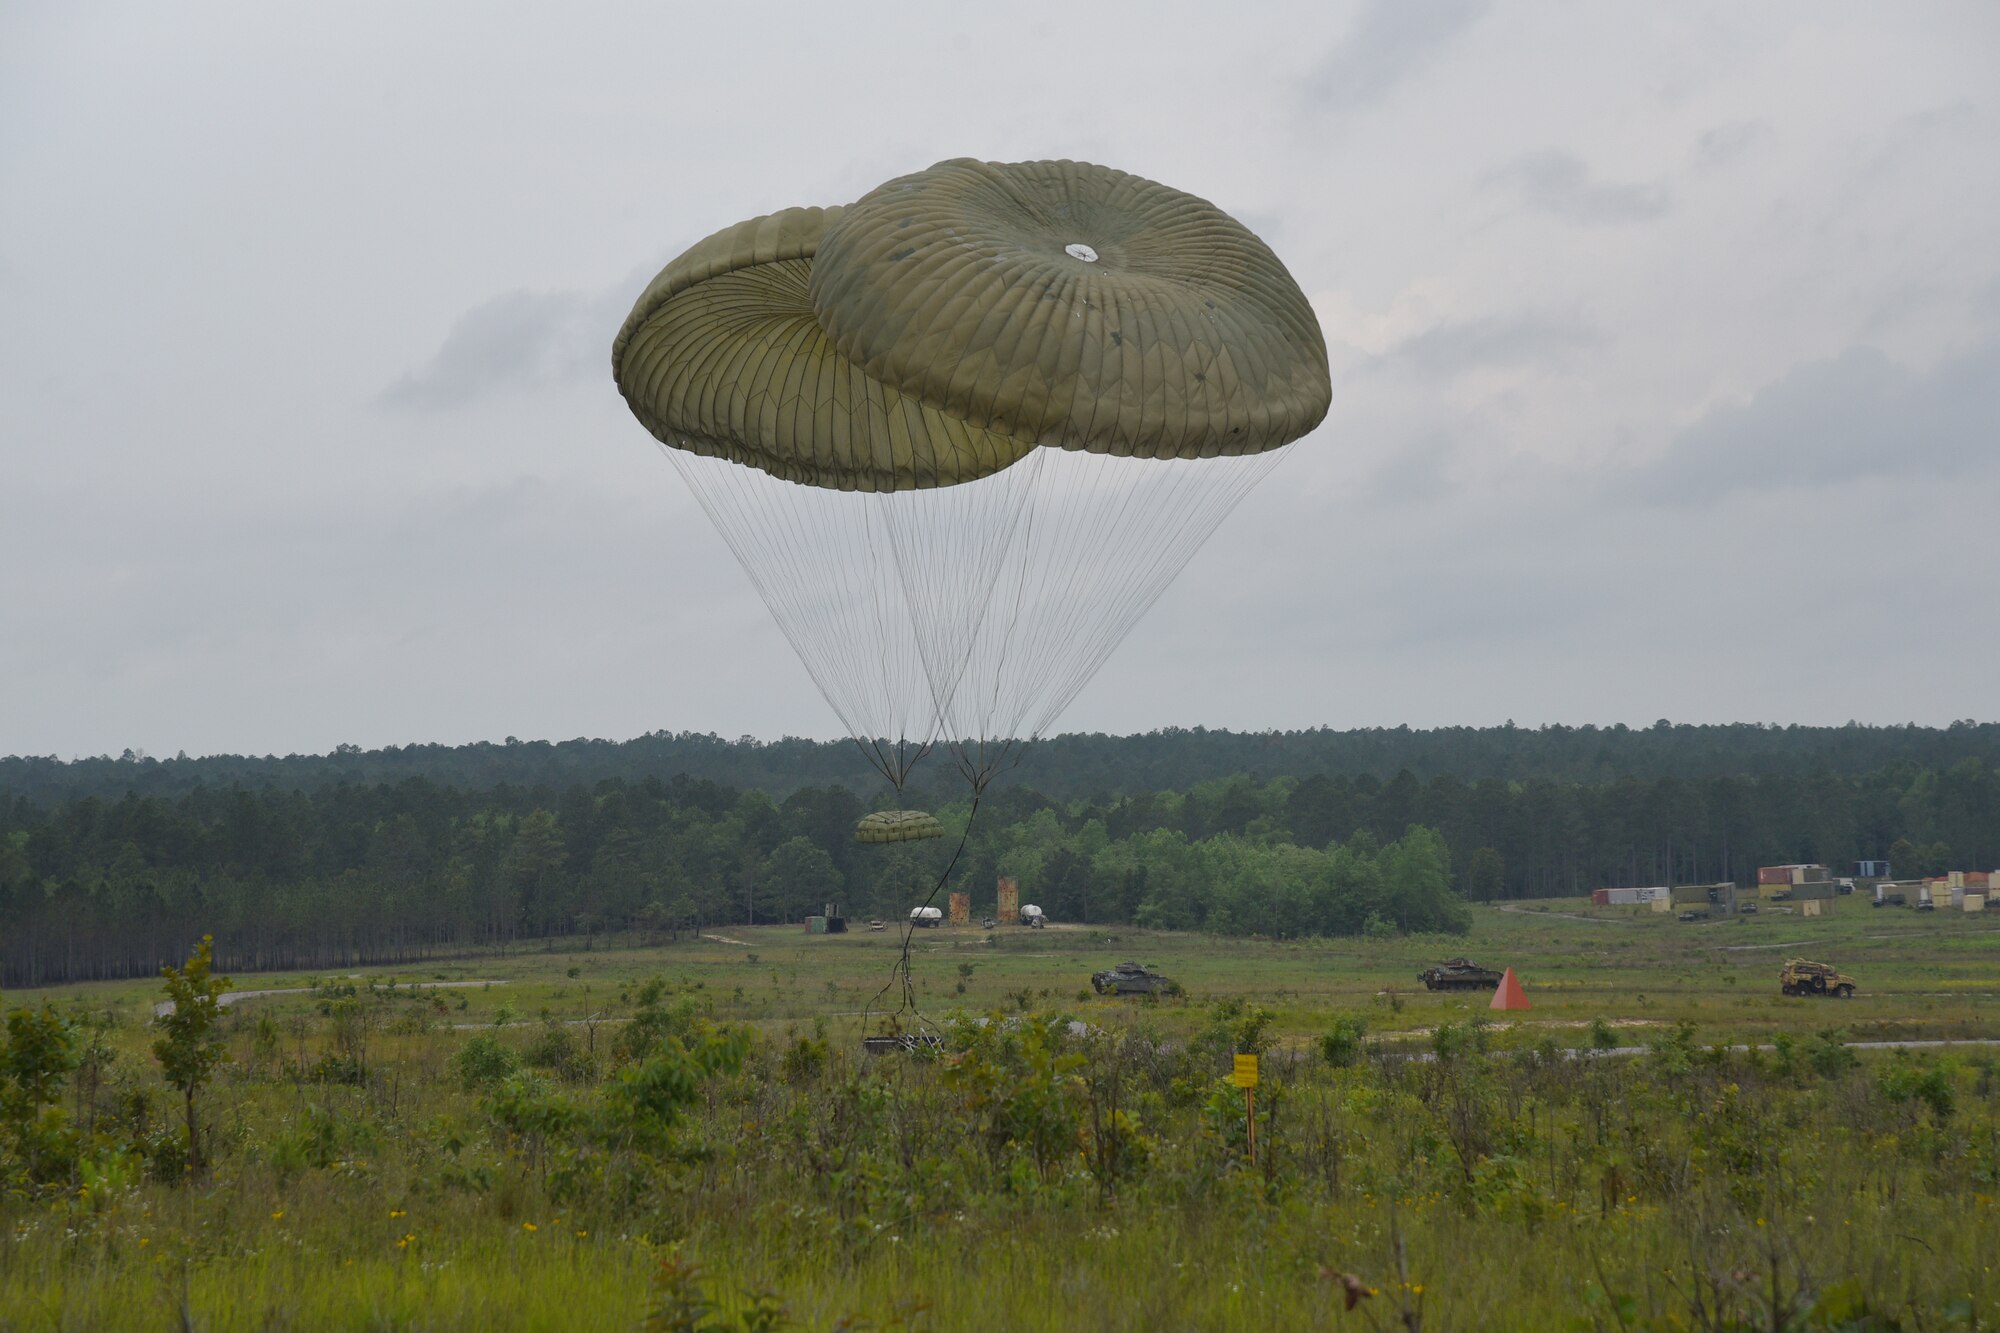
(190, 1044)
(1909, 1083)
(1340, 1044)
(1022, 1093)
(805, 1060)
(37, 1146)
(1456, 1041)
(1029, 1168)
(1827, 1053)
(645, 1100)
(1356, 834)
(658, 1015)
(483, 1062)
(556, 1050)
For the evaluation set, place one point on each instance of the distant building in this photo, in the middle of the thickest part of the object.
(1628, 897)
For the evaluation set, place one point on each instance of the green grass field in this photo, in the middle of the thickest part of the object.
(363, 1177)
(1923, 975)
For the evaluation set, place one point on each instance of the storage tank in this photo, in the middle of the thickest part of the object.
(926, 916)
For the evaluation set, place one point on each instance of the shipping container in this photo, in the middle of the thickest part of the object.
(1600, 897)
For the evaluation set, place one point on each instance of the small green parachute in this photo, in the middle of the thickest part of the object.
(897, 826)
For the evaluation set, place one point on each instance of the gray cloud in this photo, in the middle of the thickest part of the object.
(1986, 297)
(1729, 141)
(422, 511)
(1560, 183)
(1455, 348)
(518, 340)
(1388, 42)
(1415, 473)
(1855, 416)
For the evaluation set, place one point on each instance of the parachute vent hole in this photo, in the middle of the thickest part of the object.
(1078, 250)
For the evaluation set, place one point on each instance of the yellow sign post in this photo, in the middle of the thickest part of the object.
(1244, 1076)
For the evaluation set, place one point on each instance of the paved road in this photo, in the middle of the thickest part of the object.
(1426, 1057)
(165, 1007)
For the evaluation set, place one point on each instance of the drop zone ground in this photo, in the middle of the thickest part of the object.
(567, 1147)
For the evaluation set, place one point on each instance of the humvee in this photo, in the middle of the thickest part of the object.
(1800, 977)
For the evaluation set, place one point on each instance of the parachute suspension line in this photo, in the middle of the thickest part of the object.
(899, 971)
(1084, 550)
(1137, 547)
(953, 548)
(829, 580)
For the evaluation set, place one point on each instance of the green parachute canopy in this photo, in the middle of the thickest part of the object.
(1074, 305)
(963, 432)
(722, 357)
(897, 826)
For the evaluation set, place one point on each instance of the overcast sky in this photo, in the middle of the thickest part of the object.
(1665, 340)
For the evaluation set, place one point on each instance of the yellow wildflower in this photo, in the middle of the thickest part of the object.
(529, 1226)
(278, 1216)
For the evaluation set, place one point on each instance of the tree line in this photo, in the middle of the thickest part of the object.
(392, 873)
(1070, 767)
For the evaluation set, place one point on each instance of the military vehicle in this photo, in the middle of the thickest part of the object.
(1459, 974)
(1132, 979)
(1800, 977)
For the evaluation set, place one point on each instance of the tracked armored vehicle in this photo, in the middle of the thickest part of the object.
(1459, 974)
(1132, 979)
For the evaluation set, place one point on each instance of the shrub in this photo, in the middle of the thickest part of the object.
(483, 1062)
(1340, 1045)
(556, 1050)
(1905, 1082)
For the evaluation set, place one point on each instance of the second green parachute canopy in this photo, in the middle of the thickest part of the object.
(962, 433)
